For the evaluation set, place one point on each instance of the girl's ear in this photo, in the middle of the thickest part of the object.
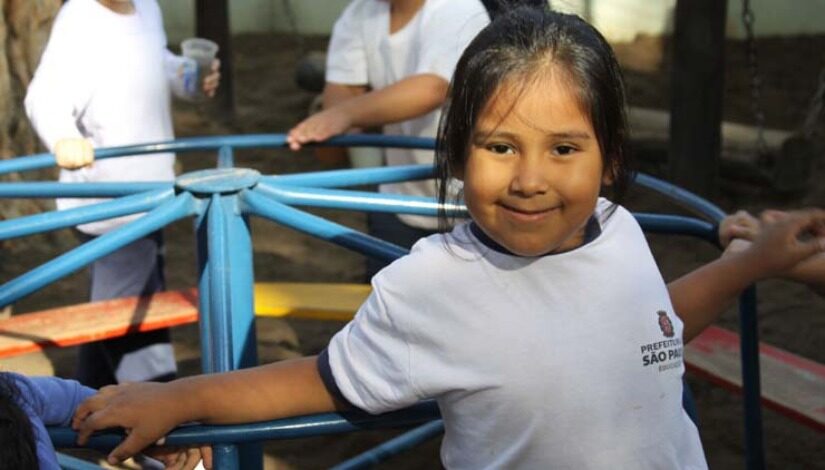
(609, 175)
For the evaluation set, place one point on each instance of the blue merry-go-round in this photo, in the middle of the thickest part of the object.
(221, 201)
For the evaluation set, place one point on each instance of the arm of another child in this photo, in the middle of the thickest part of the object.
(701, 296)
(150, 410)
(335, 94)
(408, 98)
(737, 232)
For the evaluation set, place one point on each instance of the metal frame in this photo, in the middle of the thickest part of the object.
(221, 200)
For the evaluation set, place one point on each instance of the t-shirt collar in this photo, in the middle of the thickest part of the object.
(591, 231)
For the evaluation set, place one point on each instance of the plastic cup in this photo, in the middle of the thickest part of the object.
(201, 53)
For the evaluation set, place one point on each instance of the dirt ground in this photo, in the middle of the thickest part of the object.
(268, 101)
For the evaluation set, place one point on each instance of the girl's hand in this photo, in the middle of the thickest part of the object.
(148, 411)
(73, 153)
(213, 80)
(182, 458)
(319, 127)
(785, 239)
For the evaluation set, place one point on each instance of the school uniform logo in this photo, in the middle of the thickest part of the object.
(663, 354)
(665, 324)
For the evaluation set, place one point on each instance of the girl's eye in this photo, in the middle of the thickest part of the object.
(500, 148)
(564, 149)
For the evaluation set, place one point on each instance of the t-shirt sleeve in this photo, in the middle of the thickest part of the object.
(370, 360)
(56, 399)
(346, 55)
(446, 32)
(62, 85)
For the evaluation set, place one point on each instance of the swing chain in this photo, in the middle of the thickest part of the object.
(748, 20)
(815, 108)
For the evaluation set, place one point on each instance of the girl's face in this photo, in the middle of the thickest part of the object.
(534, 172)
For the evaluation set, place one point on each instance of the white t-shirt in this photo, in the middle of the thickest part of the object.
(570, 361)
(362, 52)
(106, 77)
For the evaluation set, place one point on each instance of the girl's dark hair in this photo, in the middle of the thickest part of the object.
(520, 45)
(17, 445)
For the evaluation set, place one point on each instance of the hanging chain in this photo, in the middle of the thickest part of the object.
(815, 108)
(748, 20)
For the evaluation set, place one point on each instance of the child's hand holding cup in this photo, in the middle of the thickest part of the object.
(201, 74)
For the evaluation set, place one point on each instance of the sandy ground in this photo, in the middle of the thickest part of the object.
(268, 101)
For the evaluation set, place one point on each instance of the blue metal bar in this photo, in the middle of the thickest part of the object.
(204, 293)
(231, 294)
(356, 200)
(191, 144)
(393, 447)
(67, 462)
(682, 197)
(340, 178)
(281, 429)
(220, 309)
(226, 159)
(751, 387)
(320, 228)
(83, 190)
(678, 225)
(45, 222)
(95, 249)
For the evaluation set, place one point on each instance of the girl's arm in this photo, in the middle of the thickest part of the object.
(150, 410)
(701, 296)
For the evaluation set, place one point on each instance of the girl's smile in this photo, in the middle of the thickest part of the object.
(534, 170)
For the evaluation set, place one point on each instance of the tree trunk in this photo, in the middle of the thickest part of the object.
(24, 30)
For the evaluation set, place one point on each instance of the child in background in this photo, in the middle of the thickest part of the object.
(104, 80)
(738, 231)
(389, 64)
(29, 404)
(542, 327)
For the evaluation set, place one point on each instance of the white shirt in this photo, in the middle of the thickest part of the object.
(363, 52)
(106, 77)
(562, 361)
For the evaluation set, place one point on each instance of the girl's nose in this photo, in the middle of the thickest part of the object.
(530, 177)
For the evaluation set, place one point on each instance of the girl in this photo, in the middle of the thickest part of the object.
(104, 80)
(548, 336)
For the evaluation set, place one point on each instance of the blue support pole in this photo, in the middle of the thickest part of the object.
(356, 200)
(86, 190)
(204, 294)
(677, 224)
(682, 197)
(393, 447)
(320, 228)
(225, 157)
(232, 317)
(226, 456)
(95, 249)
(288, 428)
(48, 221)
(751, 385)
(341, 178)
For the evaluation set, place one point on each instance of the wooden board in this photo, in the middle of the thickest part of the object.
(76, 324)
(791, 384)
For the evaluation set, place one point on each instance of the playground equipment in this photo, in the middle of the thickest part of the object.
(221, 200)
